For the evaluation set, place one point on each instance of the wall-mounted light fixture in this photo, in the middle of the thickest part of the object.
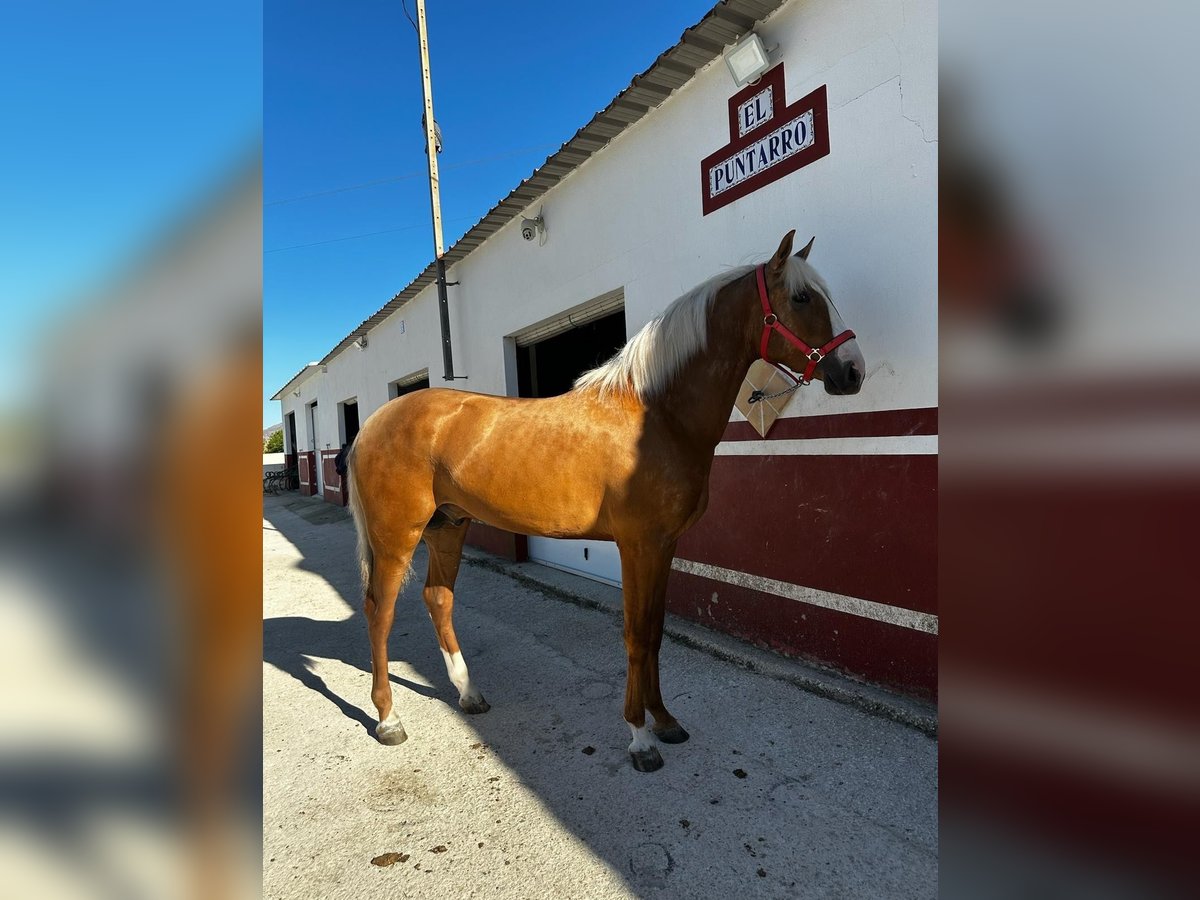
(361, 342)
(296, 393)
(747, 59)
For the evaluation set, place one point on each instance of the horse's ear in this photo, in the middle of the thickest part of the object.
(803, 254)
(784, 251)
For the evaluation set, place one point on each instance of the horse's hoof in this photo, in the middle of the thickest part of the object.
(646, 760)
(391, 735)
(474, 706)
(673, 734)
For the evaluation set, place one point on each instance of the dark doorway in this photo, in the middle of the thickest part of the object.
(291, 447)
(550, 367)
(312, 424)
(350, 420)
(396, 389)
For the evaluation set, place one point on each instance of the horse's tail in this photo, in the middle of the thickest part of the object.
(366, 557)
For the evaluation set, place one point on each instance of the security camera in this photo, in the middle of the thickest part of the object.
(531, 228)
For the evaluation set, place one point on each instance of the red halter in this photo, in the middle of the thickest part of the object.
(771, 323)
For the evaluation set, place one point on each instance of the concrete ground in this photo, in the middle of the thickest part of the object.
(794, 783)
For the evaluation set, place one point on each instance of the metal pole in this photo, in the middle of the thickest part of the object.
(435, 201)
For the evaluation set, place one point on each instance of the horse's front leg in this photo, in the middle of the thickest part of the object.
(644, 569)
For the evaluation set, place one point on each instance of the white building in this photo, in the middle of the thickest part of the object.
(821, 540)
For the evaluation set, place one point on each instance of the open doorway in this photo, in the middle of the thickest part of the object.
(291, 450)
(311, 421)
(550, 366)
(348, 421)
(310, 414)
(549, 357)
(407, 385)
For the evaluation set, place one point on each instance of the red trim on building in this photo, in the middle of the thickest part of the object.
(333, 489)
(900, 658)
(1083, 399)
(1089, 577)
(308, 473)
(884, 423)
(498, 542)
(865, 526)
(1055, 799)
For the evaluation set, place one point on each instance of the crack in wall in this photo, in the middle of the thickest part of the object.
(920, 125)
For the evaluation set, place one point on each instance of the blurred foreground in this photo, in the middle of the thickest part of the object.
(130, 716)
(1070, 467)
(130, 276)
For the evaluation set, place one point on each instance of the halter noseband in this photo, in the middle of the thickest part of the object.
(771, 323)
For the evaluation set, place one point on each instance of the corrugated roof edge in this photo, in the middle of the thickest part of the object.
(699, 45)
(294, 379)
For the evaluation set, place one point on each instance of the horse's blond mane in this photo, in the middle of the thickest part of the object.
(652, 357)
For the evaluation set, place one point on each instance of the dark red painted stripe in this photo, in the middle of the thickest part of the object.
(308, 473)
(899, 658)
(1072, 807)
(865, 526)
(885, 423)
(332, 489)
(1085, 587)
(498, 542)
(1117, 396)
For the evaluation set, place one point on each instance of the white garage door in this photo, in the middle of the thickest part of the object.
(594, 559)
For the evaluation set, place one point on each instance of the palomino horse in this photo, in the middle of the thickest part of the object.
(624, 456)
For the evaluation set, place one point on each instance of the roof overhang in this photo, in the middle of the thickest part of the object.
(298, 379)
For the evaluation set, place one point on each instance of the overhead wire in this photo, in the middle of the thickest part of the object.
(392, 180)
(352, 237)
(408, 175)
(404, 4)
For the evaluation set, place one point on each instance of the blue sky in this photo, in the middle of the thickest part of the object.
(118, 119)
(342, 106)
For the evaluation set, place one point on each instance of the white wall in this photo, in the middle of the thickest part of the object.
(631, 217)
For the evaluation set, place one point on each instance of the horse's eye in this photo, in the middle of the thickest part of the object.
(801, 297)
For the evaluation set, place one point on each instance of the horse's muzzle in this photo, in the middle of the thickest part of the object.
(840, 378)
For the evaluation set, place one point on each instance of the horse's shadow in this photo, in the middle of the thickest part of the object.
(292, 643)
(327, 640)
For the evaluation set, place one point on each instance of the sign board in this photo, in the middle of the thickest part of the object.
(767, 140)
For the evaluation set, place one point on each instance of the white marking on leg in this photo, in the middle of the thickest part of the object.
(456, 668)
(642, 738)
(392, 721)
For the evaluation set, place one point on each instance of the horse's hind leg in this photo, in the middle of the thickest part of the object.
(387, 577)
(445, 538)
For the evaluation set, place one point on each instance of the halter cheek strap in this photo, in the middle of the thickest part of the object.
(771, 323)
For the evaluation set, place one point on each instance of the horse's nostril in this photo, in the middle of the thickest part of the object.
(852, 375)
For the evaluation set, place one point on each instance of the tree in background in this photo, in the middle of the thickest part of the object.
(274, 443)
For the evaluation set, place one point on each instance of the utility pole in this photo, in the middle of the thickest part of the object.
(435, 200)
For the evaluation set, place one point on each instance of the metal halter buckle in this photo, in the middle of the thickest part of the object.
(770, 319)
(815, 355)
